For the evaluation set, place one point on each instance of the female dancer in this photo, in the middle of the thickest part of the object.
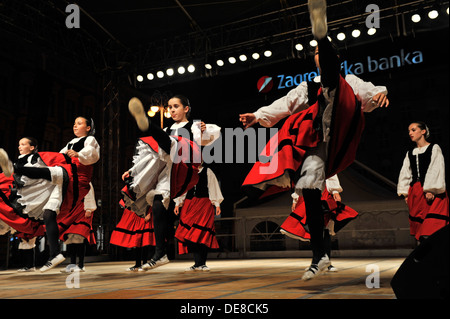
(44, 183)
(196, 231)
(164, 167)
(135, 232)
(422, 183)
(320, 137)
(24, 226)
(336, 216)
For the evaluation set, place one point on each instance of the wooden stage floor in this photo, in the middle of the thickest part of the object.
(261, 279)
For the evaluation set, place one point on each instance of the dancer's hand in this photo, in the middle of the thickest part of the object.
(176, 210)
(429, 196)
(71, 153)
(294, 205)
(406, 199)
(147, 217)
(247, 119)
(218, 210)
(381, 100)
(88, 213)
(125, 175)
(202, 126)
(337, 197)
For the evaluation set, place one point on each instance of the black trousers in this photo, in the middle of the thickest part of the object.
(161, 224)
(52, 232)
(314, 219)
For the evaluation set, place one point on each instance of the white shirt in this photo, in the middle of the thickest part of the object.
(434, 181)
(297, 100)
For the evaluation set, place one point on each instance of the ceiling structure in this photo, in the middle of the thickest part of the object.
(142, 36)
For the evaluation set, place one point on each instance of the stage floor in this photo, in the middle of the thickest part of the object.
(228, 279)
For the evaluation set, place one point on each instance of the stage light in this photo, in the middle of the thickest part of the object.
(208, 66)
(151, 113)
(140, 78)
(160, 74)
(154, 108)
(298, 47)
(447, 10)
(167, 114)
(150, 76)
(371, 31)
(356, 33)
(181, 70)
(243, 57)
(170, 72)
(255, 56)
(341, 36)
(232, 60)
(313, 43)
(267, 53)
(220, 62)
(415, 18)
(191, 68)
(433, 14)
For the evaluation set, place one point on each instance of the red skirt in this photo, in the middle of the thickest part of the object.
(133, 231)
(79, 178)
(196, 224)
(26, 227)
(338, 212)
(426, 218)
(76, 223)
(286, 151)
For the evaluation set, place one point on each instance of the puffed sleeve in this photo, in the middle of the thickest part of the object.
(333, 185)
(215, 195)
(365, 91)
(209, 135)
(89, 200)
(295, 101)
(179, 201)
(90, 153)
(405, 178)
(435, 178)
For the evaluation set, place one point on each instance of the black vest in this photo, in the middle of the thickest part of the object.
(424, 162)
(187, 127)
(78, 146)
(201, 189)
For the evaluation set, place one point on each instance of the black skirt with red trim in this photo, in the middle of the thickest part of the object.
(425, 218)
(296, 226)
(196, 224)
(285, 152)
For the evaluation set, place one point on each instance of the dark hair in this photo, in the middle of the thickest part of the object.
(423, 126)
(184, 101)
(89, 122)
(33, 142)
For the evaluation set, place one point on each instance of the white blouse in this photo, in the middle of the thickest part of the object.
(434, 181)
(90, 154)
(215, 194)
(297, 100)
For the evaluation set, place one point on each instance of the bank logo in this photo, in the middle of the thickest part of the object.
(264, 84)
